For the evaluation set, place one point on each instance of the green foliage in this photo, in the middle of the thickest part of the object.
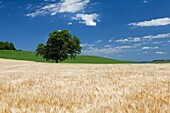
(40, 49)
(59, 47)
(7, 46)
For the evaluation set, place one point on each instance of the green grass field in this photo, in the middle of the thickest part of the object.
(31, 56)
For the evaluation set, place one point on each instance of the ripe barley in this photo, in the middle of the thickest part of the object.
(49, 88)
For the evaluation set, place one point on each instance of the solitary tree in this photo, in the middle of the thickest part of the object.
(60, 46)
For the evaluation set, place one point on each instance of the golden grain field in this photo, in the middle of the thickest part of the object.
(30, 87)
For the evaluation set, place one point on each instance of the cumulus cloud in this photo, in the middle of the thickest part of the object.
(153, 22)
(64, 6)
(160, 52)
(167, 35)
(88, 19)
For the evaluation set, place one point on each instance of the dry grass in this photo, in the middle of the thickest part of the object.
(27, 87)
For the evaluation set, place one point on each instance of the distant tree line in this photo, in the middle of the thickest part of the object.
(7, 46)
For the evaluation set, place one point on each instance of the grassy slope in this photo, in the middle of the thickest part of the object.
(93, 60)
(30, 56)
(20, 55)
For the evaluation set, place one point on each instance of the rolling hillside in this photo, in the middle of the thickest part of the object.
(30, 56)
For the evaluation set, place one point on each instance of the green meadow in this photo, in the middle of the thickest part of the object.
(31, 56)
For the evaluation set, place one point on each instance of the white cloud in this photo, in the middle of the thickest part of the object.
(102, 51)
(145, 48)
(153, 22)
(108, 50)
(107, 46)
(83, 45)
(88, 19)
(160, 52)
(29, 6)
(51, 9)
(91, 48)
(125, 47)
(70, 23)
(73, 5)
(145, 1)
(86, 44)
(158, 36)
(155, 47)
(110, 40)
(98, 41)
(135, 39)
(64, 6)
(122, 40)
(145, 40)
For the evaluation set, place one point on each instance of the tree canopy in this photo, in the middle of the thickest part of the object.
(7, 46)
(60, 46)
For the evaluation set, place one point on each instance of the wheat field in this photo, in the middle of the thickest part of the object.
(30, 87)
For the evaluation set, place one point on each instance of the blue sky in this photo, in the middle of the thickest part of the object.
(133, 30)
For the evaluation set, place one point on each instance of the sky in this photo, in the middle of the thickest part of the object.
(131, 30)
